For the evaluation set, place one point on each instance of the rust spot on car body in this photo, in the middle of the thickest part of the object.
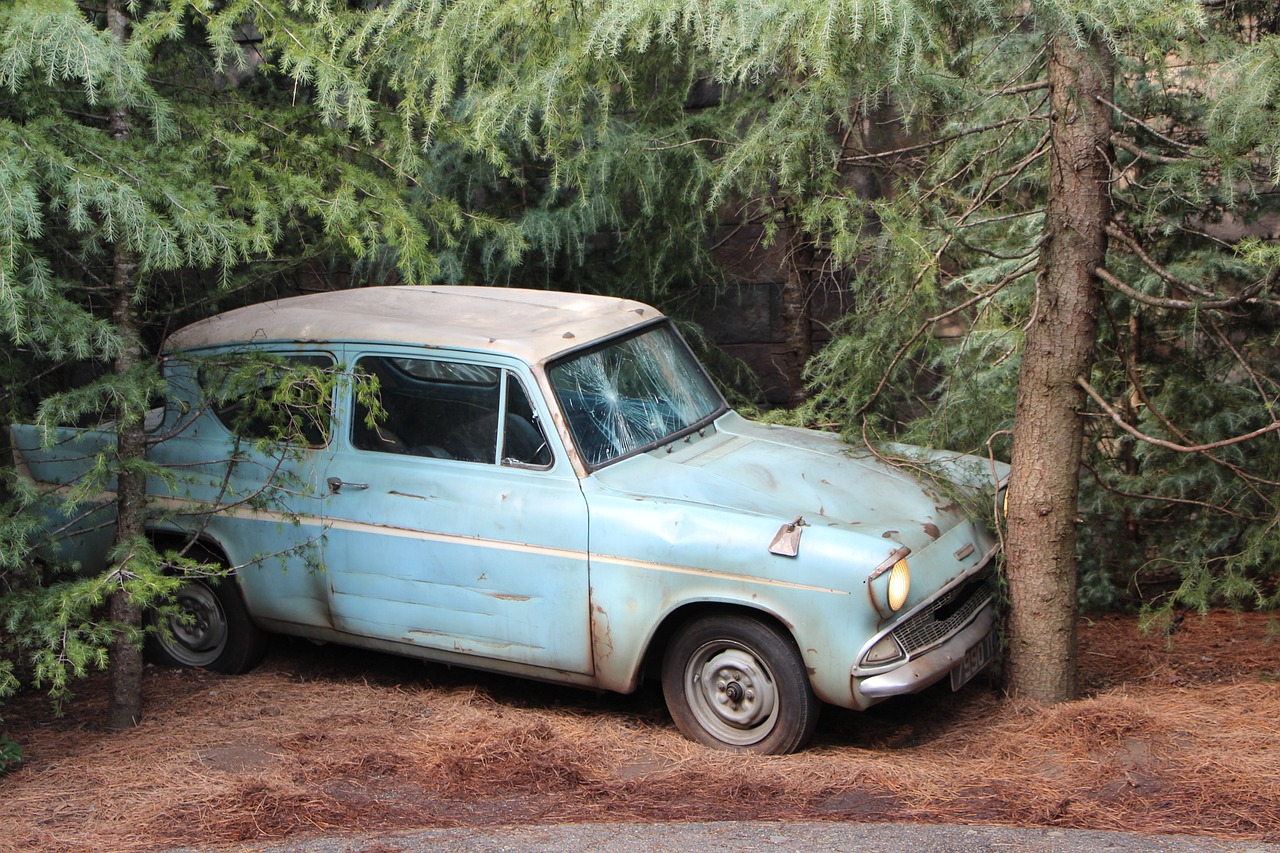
(932, 530)
(601, 634)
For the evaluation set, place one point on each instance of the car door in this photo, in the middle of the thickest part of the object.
(453, 523)
(247, 444)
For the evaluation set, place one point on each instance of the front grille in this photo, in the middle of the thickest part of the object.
(943, 617)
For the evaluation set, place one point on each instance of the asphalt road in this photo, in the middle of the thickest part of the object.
(744, 837)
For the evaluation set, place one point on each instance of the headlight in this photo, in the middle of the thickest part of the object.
(899, 584)
(889, 595)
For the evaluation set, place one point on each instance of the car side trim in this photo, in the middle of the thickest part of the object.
(495, 544)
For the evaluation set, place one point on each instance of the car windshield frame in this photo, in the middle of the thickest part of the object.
(632, 393)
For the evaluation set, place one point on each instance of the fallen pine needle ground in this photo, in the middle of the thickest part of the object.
(1176, 734)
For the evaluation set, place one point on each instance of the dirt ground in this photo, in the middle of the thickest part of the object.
(1176, 734)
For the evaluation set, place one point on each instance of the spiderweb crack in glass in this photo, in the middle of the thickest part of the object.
(631, 394)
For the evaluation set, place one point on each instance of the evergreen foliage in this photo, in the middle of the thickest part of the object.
(1188, 333)
(247, 161)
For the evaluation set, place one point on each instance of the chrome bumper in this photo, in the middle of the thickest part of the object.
(929, 668)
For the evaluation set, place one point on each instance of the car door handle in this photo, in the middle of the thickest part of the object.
(336, 484)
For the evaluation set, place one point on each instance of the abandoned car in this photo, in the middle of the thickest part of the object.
(546, 485)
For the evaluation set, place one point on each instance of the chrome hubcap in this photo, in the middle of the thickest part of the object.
(732, 694)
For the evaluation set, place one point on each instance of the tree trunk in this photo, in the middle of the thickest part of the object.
(124, 700)
(797, 323)
(1059, 347)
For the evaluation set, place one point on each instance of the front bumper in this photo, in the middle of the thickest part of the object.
(929, 667)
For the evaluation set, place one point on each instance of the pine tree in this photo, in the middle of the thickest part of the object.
(159, 157)
(1180, 308)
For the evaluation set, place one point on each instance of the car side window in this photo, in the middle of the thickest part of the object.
(447, 410)
(264, 396)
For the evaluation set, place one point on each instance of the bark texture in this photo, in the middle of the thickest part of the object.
(797, 322)
(1059, 347)
(124, 692)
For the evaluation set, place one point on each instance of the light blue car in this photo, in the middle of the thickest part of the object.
(547, 485)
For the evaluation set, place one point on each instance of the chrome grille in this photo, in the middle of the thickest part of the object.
(943, 617)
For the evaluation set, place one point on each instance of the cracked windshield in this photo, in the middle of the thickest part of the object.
(632, 394)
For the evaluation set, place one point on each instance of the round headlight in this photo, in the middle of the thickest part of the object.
(899, 584)
(889, 584)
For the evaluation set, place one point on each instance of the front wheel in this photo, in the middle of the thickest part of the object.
(207, 627)
(737, 683)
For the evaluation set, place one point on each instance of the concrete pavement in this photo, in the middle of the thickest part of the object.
(748, 837)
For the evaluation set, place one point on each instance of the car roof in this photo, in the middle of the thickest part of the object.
(534, 325)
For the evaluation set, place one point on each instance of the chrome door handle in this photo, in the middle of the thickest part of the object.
(336, 484)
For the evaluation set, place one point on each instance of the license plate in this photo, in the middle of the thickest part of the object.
(974, 661)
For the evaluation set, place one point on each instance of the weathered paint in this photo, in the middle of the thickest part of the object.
(533, 325)
(557, 574)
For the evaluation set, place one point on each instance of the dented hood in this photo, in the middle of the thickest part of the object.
(785, 473)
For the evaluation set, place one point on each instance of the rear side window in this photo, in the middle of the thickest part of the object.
(280, 398)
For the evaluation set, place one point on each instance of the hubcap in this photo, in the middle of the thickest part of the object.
(731, 693)
(199, 627)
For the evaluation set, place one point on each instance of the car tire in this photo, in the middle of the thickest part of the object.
(208, 629)
(738, 683)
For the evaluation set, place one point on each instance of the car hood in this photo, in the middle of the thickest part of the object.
(785, 473)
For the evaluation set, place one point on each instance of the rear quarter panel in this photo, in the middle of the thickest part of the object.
(67, 468)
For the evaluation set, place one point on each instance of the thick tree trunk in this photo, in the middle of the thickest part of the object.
(1059, 347)
(124, 700)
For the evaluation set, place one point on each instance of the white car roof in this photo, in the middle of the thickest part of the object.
(534, 325)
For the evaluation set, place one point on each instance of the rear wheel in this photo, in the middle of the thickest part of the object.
(207, 627)
(737, 683)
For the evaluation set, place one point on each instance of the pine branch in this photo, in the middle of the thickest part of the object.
(1225, 340)
(986, 193)
(1142, 124)
(1143, 154)
(936, 143)
(1245, 296)
(1118, 233)
(1038, 86)
(1169, 445)
(1137, 496)
(1251, 481)
(931, 321)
